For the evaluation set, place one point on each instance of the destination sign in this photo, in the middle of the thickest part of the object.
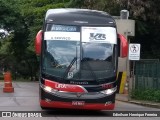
(99, 35)
(57, 35)
(65, 28)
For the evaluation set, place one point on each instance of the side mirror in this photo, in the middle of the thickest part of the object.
(123, 46)
(38, 42)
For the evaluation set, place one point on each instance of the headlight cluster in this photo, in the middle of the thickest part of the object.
(49, 89)
(109, 91)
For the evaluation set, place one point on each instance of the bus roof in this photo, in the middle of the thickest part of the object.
(75, 16)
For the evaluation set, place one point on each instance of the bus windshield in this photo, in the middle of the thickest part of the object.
(77, 59)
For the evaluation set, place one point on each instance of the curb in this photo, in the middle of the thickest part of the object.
(143, 103)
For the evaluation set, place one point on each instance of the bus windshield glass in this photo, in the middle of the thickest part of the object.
(69, 56)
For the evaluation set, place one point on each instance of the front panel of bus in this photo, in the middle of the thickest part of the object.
(78, 67)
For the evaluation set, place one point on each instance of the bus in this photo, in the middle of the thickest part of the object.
(78, 51)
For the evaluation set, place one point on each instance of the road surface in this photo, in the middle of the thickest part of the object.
(26, 98)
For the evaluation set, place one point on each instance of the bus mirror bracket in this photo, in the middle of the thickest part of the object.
(123, 46)
(38, 42)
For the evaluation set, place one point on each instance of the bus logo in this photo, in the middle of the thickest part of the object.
(97, 36)
(108, 103)
(60, 86)
(79, 95)
(70, 75)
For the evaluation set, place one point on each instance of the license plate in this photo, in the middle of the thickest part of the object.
(78, 103)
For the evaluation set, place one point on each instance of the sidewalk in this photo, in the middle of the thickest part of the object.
(125, 98)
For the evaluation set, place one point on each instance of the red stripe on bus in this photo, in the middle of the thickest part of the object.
(65, 87)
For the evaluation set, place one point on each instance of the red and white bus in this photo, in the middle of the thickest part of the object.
(79, 50)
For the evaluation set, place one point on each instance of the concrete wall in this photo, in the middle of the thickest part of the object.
(122, 64)
(125, 27)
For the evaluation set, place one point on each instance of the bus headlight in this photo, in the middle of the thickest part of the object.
(109, 91)
(48, 89)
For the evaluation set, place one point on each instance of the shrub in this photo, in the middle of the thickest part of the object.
(148, 94)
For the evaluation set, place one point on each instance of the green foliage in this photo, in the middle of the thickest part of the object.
(8, 14)
(5, 45)
(24, 18)
(75, 3)
(148, 95)
(33, 13)
(103, 5)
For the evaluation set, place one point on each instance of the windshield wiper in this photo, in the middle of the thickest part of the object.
(69, 67)
(92, 72)
(87, 64)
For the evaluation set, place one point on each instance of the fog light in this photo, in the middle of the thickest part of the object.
(47, 100)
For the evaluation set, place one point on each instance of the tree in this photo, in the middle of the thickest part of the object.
(9, 22)
(146, 14)
(24, 19)
(109, 6)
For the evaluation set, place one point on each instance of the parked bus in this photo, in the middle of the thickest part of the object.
(79, 50)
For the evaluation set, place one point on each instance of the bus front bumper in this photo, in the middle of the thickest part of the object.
(69, 105)
(70, 100)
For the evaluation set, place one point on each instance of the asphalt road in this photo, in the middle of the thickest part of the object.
(26, 98)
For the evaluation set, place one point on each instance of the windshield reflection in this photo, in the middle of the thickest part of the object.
(97, 51)
(95, 61)
(63, 51)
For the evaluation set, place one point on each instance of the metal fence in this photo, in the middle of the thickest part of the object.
(147, 74)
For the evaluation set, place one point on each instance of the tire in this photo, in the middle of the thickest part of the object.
(44, 108)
